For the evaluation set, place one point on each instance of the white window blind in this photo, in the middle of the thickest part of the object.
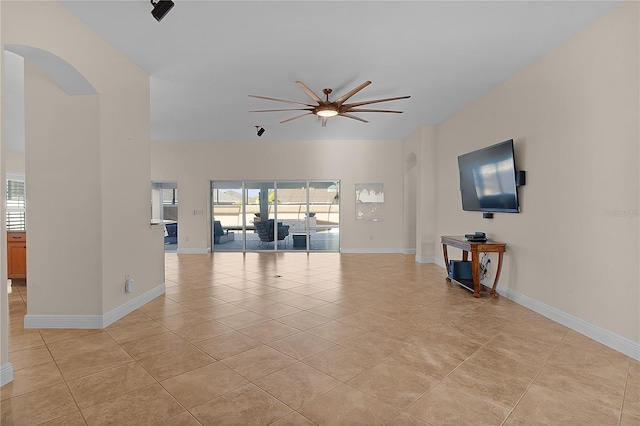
(16, 205)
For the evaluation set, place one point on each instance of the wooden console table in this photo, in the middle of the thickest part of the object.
(475, 249)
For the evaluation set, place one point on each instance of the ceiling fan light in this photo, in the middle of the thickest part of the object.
(327, 113)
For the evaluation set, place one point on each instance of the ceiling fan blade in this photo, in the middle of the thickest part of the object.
(354, 117)
(279, 100)
(309, 92)
(285, 109)
(373, 110)
(350, 93)
(293, 118)
(357, 104)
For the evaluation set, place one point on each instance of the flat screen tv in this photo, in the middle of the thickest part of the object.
(488, 179)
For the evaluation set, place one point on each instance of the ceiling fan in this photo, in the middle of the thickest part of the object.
(325, 109)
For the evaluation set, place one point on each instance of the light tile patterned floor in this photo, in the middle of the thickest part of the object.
(324, 339)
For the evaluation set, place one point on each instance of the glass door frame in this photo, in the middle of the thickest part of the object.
(296, 226)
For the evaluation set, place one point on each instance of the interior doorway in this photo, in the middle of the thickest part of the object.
(164, 210)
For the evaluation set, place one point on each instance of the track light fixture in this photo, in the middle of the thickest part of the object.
(161, 8)
(260, 130)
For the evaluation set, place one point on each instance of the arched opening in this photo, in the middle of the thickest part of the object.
(70, 80)
(62, 110)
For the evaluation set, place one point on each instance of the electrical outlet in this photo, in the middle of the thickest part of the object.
(128, 284)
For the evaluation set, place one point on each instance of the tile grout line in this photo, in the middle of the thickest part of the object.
(535, 377)
(624, 394)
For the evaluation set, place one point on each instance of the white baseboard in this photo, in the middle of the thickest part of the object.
(6, 374)
(123, 310)
(426, 259)
(409, 251)
(440, 262)
(92, 321)
(63, 321)
(607, 338)
(193, 250)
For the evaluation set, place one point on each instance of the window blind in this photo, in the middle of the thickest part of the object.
(16, 205)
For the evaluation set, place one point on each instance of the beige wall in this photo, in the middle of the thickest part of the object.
(194, 165)
(103, 143)
(420, 184)
(411, 191)
(58, 225)
(574, 116)
(6, 370)
(14, 162)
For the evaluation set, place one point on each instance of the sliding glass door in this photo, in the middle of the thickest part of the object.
(324, 214)
(275, 216)
(227, 223)
(292, 211)
(261, 218)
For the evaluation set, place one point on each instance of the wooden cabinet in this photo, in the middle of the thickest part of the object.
(17, 255)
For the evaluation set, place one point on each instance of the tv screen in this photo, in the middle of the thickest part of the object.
(488, 179)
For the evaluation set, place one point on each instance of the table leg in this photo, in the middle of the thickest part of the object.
(446, 261)
(465, 255)
(494, 293)
(476, 274)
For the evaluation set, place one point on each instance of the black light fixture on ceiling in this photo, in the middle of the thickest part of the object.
(260, 130)
(161, 8)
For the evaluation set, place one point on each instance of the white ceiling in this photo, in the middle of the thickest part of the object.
(205, 57)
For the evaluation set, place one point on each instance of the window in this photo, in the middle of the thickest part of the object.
(169, 196)
(16, 203)
(164, 201)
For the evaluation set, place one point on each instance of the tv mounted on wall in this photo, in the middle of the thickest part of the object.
(488, 179)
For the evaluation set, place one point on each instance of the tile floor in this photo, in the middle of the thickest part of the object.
(320, 339)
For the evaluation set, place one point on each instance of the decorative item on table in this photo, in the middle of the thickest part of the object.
(476, 237)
